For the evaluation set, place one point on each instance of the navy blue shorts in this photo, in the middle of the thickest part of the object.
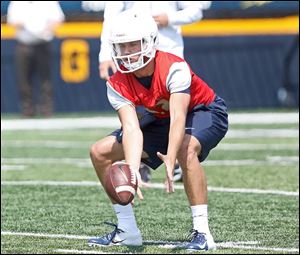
(208, 124)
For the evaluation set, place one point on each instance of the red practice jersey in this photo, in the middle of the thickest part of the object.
(172, 74)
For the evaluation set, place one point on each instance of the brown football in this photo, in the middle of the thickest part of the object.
(121, 183)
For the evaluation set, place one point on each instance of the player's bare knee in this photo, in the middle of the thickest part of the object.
(187, 154)
(96, 153)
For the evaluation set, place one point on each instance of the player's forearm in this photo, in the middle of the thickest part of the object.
(133, 147)
(176, 134)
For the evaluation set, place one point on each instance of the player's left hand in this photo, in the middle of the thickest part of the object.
(169, 172)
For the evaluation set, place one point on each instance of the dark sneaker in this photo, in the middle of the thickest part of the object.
(177, 173)
(200, 241)
(145, 172)
(117, 237)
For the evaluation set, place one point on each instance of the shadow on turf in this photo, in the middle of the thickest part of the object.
(174, 246)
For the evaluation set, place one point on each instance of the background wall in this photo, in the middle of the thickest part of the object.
(249, 66)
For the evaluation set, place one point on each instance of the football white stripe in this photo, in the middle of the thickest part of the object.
(118, 163)
(125, 188)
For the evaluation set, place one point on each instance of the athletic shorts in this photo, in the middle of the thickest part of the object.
(208, 124)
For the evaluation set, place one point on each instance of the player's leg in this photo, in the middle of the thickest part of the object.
(103, 154)
(195, 185)
(193, 173)
(204, 130)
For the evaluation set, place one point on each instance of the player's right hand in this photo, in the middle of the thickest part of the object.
(141, 184)
(169, 183)
(104, 69)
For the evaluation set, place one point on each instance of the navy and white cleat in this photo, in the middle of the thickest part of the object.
(117, 237)
(177, 177)
(200, 241)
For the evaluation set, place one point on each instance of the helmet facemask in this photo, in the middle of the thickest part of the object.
(128, 27)
(146, 53)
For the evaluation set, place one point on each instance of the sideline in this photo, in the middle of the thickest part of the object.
(113, 122)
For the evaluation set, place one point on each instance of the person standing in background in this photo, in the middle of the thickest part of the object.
(35, 22)
(169, 16)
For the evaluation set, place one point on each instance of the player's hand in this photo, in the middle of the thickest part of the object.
(104, 69)
(162, 20)
(169, 172)
(141, 184)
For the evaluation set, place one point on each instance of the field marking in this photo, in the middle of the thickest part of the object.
(10, 233)
(13, 167)
(251, 133)
(232, 133)
(113, 122)
(151, 185)
(255, 147)
(85, 145)
(86, 162)
(252, 247)
(235, 245)
(60, 251)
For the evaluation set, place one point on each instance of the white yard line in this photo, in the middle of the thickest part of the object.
(113, 122)
(84, 145)
(46, 144)
(251, 247)
(13, 167)
(256, 147)
(60, 251)
(151, 185)
(251, 133)
(86, 162)
(162, 244)
(11, 233)
(44, 160)
(60, 123)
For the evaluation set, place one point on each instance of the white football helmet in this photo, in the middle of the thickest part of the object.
(131, 26)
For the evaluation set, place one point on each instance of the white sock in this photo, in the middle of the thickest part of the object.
(126, 218)
(200, 218)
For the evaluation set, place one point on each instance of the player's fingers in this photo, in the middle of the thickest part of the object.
(170, 185)
(161, 156)
(139, 193)
(171, 181)
(167, 186)
(170, 175)
(132, 202)
(144, 184)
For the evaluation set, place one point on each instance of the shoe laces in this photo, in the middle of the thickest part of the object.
(197, 237)
(110, 236)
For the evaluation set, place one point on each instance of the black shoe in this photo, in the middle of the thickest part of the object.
(145, 172)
